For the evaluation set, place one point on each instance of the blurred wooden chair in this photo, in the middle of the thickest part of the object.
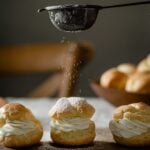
(65, 59)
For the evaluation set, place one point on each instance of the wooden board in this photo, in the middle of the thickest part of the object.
(103, 141)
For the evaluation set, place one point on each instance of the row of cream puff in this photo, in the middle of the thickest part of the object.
(71, 124)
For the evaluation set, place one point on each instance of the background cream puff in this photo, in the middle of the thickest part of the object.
(71, 122)
(139, 83)
(3, 101)
(18, 126)
(127, 68)
(144, 65)
(113, 78)
(131, 124)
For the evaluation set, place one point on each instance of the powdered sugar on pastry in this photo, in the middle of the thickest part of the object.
(62, 106)
(71, 107)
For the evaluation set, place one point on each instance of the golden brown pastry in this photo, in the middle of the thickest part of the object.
(113, 78)
(144, 65)
(70, 122)
(127, 68)
(2, 101)
(18, 126)
(131, 125)
(139, 83)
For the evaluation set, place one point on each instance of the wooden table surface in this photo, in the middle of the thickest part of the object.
(103, 140)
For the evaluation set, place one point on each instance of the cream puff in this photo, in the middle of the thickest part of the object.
(18, 126)
(113, 78)
(71, 122)
(127, 68)
(3, 101)
(139, 83)
(131, 125)
(144, 65)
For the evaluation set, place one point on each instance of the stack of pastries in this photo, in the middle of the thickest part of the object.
(128, 77)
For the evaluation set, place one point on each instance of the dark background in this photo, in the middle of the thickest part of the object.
(119, 35)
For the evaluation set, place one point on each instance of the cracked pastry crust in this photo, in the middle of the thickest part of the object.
(18, 126)
(131, 124)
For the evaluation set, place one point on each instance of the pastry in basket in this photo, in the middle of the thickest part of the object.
(131, 124)
(71, 122)
(113, 78)
(2, 101)
(127, 68)
(144, 65)
(139, 83)
(18, 126)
